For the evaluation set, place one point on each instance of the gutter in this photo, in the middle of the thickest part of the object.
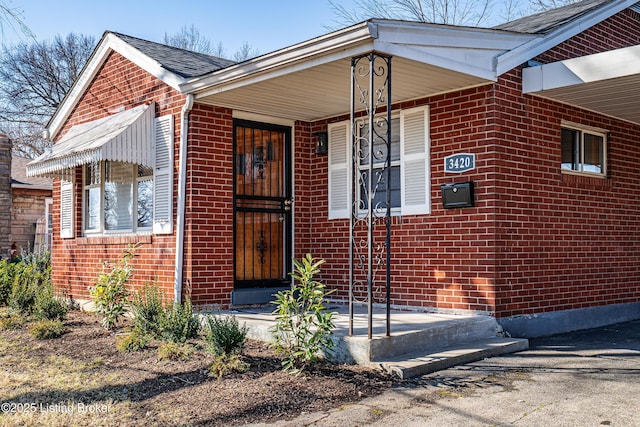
(182, 187)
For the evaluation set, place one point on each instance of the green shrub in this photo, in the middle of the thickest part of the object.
(8, 272)
(133, 341)
(227, 363)
(12, 321)
(46, 329)
(224, 335)
(47, 306)
(175, 351)
(147, 310)
(303, 325)
(178, 324)
(110, 292)
(26, 285)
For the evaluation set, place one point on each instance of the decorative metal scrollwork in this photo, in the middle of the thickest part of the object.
(261, 247)
(370, 222)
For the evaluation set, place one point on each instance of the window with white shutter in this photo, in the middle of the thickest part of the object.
(409, 175)
(163, 176)
(339, 161)
(66, 208)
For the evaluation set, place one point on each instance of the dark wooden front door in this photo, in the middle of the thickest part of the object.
(262, 202)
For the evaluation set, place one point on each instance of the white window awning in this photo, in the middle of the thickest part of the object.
(125, 137)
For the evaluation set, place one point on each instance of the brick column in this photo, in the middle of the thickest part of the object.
(5, 195)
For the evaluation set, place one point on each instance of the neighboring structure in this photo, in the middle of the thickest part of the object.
(26, 203)
(213, 167)
(5, 196)
(31, 201)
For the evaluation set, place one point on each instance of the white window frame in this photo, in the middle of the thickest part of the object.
(363, 167)
(101, 229)
(415, 168)
(583, 129)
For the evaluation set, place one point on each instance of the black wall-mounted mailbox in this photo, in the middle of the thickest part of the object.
(459, 195)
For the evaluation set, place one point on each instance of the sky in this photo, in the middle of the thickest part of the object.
(265, 25)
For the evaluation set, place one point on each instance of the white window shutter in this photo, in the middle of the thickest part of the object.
(414, 153)
(163, 176)
(66, 209)
(339, 161)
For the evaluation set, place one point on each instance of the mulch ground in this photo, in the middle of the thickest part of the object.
(141, 390)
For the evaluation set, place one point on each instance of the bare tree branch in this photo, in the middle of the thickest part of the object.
(34, 79)
(11, 17)
(190, 38)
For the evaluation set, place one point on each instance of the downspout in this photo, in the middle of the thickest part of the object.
(182, 188)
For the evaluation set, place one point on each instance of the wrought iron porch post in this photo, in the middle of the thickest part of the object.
(371, 171)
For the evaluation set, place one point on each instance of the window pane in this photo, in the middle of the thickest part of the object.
(145, 203)
(380, 198)
(379, 141)
(593, 153)
(570, 149)
(118, 194)
(92, 173)
(92, 208)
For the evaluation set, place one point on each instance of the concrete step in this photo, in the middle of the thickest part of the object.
(422, 363)
(430, 333)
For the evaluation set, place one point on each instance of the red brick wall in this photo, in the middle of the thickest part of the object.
(209, 221)
(76, 262)
(443, 260)
(620, 30)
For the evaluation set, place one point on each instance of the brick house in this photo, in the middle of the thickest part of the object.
(218, 169)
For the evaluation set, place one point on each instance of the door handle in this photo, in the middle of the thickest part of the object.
(287, 204)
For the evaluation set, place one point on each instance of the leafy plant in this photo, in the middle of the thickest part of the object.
(110, 292)
(133, 341)
(227, 363)
(47, 306)
(46, 329)
(12, 321)
(224, 335)
(303, 325)
(147, 310)
(178, 324)
(8, 271)
(27, 284)
(175, 351)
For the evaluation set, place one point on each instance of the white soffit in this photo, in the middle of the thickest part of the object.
(126, 137)
(311, 84)
(607, 82)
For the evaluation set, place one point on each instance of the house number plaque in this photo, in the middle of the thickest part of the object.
(461, 162)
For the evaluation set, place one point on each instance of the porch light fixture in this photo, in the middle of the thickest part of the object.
(322, 143)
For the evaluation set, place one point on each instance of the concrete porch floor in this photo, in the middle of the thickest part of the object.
(420, 342)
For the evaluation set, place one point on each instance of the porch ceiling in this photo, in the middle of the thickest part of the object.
(324, 90)
(607, 83)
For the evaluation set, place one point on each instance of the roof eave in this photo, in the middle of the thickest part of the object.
(515, 57)
(320, 46)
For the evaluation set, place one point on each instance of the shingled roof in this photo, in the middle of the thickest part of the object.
(182, 62)
(545, 22)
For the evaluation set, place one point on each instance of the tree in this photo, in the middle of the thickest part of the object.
(34, 78)
(190, 38)
(452, 12)
(11, 17)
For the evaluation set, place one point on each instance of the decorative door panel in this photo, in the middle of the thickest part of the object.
(262, 201)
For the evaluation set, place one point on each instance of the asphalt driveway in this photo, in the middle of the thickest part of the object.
(585, 378)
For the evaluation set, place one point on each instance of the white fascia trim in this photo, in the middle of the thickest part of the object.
(235, 83)
(586, 69)
(326, 47)
(110, 42)
(533, 48)
(442, 36)
(485, 72)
